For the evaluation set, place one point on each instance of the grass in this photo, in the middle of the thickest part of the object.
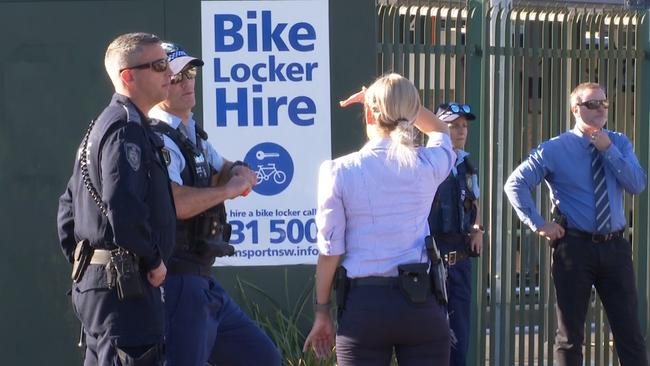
(282, 320)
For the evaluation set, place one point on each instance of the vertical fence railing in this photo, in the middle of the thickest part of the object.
(528, 60)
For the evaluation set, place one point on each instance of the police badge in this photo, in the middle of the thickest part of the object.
(132, 155)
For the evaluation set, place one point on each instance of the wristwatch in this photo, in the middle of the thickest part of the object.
(478, 227)
(238, 163)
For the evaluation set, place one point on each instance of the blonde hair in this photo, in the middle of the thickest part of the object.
(394, 103)
(124, 51)
(575, 94)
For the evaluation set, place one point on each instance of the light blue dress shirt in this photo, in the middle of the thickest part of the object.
(564, 162)
(177, 163)
(376, 213)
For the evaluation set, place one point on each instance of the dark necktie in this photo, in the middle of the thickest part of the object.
(600, 192)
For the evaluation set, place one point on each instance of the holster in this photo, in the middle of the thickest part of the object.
(341, 286)
(438, 273)
(214, 236)
(414, 281)
(558, 218)
(83, 252)
(214, 248)
(124, 272)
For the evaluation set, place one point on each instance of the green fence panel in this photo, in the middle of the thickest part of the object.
(527, 59)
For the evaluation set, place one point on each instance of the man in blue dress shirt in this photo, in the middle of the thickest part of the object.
(590, 249)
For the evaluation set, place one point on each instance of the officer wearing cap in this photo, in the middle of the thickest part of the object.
(116, 218)
(455, 226)
(204, 324)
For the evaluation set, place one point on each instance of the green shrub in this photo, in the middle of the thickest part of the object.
(282, 321)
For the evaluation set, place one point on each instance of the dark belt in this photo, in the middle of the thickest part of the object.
(189, 268)
(595, 238)
(455, 256)
(374, 281)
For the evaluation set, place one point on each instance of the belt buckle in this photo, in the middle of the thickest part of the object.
(451, 258)
(601, 238)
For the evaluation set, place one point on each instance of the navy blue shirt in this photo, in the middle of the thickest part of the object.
(125, 167)
(564, 162)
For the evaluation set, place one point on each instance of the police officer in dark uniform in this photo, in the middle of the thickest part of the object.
(116, 219)
(455, 226)
(203, 322)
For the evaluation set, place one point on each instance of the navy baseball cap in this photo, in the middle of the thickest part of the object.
(449, 112)
(178, 58)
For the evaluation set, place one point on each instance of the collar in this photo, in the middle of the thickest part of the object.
(585, 140)
(172, 120)
(460, 156)
(133, 113)
(120, 98)
(379, 143)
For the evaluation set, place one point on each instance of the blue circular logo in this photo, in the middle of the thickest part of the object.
(272, 165)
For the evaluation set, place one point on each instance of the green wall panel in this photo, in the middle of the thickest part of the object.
(52, 82)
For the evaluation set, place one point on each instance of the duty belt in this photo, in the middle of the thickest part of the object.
(101, 256)
(595, 238)
(455, 256)
(374, 281)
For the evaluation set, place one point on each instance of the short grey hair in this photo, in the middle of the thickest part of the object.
(125, 49)
(575, 98)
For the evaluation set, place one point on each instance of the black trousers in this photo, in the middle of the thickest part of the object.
(378, 319)
(578, 263)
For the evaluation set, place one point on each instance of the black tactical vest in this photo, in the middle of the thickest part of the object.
(453, 210)
(192, 235)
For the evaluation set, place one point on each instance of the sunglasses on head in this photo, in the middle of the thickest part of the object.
(160, 65)
(594, 104)
(457, 108)
(187, 74)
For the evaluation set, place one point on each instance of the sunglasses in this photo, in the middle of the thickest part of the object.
(457, 108)
(595, 104)
(158, 66)
(187, 74)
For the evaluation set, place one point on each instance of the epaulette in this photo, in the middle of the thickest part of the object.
(132, 114)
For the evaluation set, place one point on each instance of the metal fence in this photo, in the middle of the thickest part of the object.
(518, 67)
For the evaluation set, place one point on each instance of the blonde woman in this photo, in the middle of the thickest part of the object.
(372, 218)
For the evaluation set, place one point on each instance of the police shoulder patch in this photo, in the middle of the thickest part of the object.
(166, 155)
(133, 154)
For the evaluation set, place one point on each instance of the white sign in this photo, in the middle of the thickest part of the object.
(266, 101)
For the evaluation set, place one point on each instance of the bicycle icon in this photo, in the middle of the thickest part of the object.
(273, 167)
(265, 172)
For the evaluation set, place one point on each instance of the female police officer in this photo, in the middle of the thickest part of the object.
(455, 225)
(372, 207)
